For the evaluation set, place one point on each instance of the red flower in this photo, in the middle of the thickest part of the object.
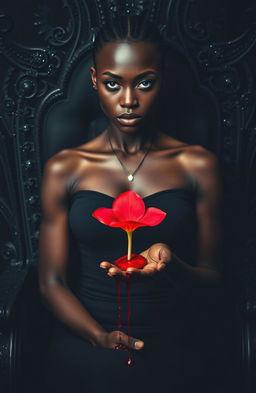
(129, 213)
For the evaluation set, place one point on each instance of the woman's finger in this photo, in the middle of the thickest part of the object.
(133, 271)
(113, 271)
(164, 255)
(130, 342)
(105, 265)
(161, 266)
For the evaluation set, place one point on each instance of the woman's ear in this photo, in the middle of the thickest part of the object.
(94, 77)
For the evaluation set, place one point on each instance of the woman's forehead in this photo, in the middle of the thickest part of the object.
(122, 54)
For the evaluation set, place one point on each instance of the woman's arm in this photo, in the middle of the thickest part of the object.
(203, 167)
(53, 249)
(53, 246)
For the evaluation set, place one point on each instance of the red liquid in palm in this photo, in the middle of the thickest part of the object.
(137, 261)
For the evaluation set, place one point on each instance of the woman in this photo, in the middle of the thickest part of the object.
(182, 252)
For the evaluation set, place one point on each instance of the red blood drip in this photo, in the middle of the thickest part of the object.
(137, 261)
(120, 346)
(129, 361)
(128, 287)
(119, 323)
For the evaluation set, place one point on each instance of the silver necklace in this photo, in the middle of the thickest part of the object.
(130, 175)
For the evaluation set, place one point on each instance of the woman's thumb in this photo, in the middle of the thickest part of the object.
(132, 342)
(138, 344)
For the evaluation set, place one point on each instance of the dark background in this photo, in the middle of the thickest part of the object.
(47, 103)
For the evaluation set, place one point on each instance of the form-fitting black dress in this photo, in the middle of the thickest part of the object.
(169, 360)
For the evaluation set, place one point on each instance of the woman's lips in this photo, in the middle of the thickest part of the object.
(129, 122)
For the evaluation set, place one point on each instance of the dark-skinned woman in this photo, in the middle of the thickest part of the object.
(182, 253)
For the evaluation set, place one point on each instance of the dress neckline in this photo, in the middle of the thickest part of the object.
(146, 197)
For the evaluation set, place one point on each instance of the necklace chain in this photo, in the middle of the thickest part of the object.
(130, 175)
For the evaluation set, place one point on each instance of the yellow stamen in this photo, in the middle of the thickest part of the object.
(129, 236)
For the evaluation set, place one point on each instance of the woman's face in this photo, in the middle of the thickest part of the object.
(128, 79)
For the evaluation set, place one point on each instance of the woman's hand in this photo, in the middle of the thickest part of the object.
(157, 256)
(117, 340)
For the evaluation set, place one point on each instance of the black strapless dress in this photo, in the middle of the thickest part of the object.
(161, 316)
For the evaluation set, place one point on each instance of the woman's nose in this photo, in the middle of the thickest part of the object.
(128, 98)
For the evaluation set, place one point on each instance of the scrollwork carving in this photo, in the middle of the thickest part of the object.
(8, 253)
(54, 35)
(33, 199)
(226, 81)
(196, 30)
(130, 7)
(38, 59)
(34, 62)
(36, 217)
(29, 164)
(26, 128)
(226, 53)
(31, 184)
(8, 105)
(28, 147)
(26, 87)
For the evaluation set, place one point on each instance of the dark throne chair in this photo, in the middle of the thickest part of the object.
(48, 104)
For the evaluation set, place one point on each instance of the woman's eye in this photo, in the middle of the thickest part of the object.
(112, 85)
(146, 84)
(143, 85)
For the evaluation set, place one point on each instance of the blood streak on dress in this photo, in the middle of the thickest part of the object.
(159, 308)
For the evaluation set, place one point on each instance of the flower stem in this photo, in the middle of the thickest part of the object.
(129, 236)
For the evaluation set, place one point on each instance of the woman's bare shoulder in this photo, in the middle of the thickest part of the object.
(61, 163)
(197, 156)
(92, 147)
(198, 162)
(203, 167)
(58, 172)
(67, 165)
(69, 158)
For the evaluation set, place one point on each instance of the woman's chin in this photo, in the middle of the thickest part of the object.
(130, 128)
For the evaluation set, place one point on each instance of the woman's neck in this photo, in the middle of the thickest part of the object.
(130, 143)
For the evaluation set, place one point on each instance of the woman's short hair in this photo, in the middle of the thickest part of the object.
(128, 28)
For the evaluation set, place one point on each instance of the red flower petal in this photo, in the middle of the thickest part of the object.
(128, 225)
(128, 206)
(104, 215)
(128, 212)
(153, 216)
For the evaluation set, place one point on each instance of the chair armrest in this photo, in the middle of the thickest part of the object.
(12, 282)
